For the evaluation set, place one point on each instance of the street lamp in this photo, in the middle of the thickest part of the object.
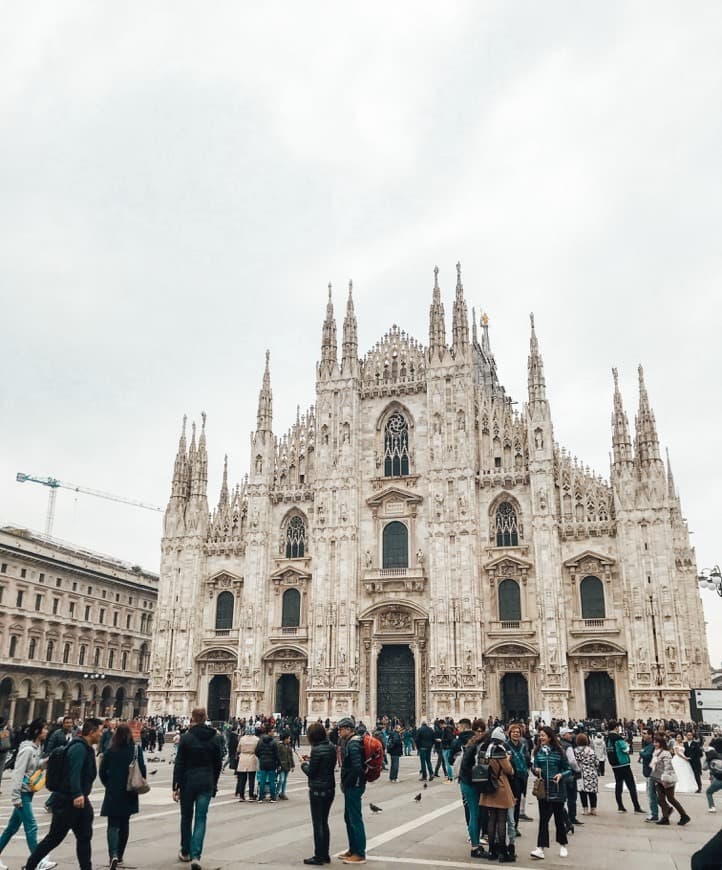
(94, 676)
(711, 580)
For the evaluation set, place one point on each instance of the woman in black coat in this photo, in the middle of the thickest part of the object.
(119, 804)
(319, 769)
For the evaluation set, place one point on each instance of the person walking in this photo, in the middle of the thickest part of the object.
(247, 766)
(196, 771)
(319, 768)
(645, 757)
(61, 735)
(588, 783)
(499, 801)
(6, 744)
(353, 785)
(713, 763)
(27, 761)
(70, 804)
(664, 779)
(551, 767)
(119, 804)
(269, 760)
(395, 749)
(618, 757)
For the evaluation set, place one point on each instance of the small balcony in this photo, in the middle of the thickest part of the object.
(511, 628)
(289, 632)
(382, 580)
(224, 634)
(582, 627)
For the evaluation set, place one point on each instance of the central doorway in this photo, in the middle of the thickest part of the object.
(396, 689)
(514, 696)
(219, 698)
(287, 694)
(600, 696)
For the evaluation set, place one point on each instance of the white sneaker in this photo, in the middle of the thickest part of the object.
(3, 866)
(47, 864)
(563, 852)
(710, 810)
(537, 853)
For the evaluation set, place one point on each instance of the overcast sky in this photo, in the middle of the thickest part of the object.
(179, 182)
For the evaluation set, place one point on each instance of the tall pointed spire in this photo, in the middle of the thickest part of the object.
(437, 326)
(460, 322)
(671, 491)
(537, 385)
(223, 499)
(180, 469)
(646, 442)
(350, 335)
(329, 347)
(265, 400)
(474, 334)
(621, 442)
(485, 343)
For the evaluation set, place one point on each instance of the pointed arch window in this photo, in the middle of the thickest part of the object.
(81, 656)
(291, 609)
(224, 611)
(395, 546)
(31, 648)
(49, 651)
(591, 591)
(295, 538)
(509, 601)
(507, 525)
(66, 653)
(396, 446)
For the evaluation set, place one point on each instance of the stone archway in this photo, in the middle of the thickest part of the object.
(214, 663)
(599, 695)
(285, 683)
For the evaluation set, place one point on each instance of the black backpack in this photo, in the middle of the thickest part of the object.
(55, 770)
(482, 775)
(612, 757)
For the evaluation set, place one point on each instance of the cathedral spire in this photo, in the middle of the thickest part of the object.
(265, 400)
(537, 386)
(199, 466)
(223, 499)
(437, 326)
(485, 343)
(621, 442)
(646, 441)
(460, 322)
(474, 334)
(180, 469)
(329, 347)
(350, 335)
(671, 491)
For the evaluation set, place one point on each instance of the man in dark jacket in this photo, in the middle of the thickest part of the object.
(693, 751)
(353, 785)
(319, 769)
(269, 761)
(61, 735)
(196, 770)
(70, 805)
(424, 739)
(645, 756)
(395, 747)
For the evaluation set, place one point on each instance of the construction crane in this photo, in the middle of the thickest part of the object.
(54, 485)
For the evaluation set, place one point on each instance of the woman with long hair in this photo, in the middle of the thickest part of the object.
(319, 768)
(27, 761)
(550, 765)
(665, 778)
(119, 804)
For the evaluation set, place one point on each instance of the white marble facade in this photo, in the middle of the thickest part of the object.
(416, 545)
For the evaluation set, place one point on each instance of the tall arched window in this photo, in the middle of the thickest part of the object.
(295, 538)
(66, 653)
(49, 651)
(291, 609)
(591, 591)
(509, 601)
(507, 527)
(81, 656)
(31, 648)
(396, 446)
(395, 546)
(224, 610)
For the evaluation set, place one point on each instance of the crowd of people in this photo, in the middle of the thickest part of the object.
(495, 765)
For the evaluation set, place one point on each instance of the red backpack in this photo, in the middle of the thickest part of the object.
(373, 757)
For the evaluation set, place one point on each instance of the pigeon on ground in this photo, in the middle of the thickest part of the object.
(153, 772)
(375, 809)
(426, 785)
(418, 797)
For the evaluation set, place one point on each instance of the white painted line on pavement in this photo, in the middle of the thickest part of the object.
(380, 839)
(427, 862)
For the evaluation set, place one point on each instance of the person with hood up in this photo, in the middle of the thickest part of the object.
(196, 770)
(501, 800)
(618, 757)
(21, 796)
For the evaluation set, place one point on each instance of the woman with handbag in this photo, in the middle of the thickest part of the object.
(551, 768)
(246, 766)
(469, 793)
(24, 785)
(665, 779)
(498, 797)
(120, 803)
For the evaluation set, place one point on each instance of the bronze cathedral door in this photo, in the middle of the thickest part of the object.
(396, 689)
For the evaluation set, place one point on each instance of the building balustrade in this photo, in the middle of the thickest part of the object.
(516, 627)
(285, 632)
(594, 626)
(383, 580)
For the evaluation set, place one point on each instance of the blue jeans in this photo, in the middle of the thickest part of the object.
(394, 773)
(447, 762)
(354, 820)
(471, 798)
(714, 786)
(425, 761)
(22, 815)
(192, 842)
(266, 778)
(652, 798)
(281, 781)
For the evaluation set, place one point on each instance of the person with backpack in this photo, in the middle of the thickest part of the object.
(713, 762)
(27, 762)
(551, 768)
(196, 771)
(467, 743)
(353, 785)
(496, 794)
(269, 761)
(395, 748)
(71, 772)
(285, 765)
(618, 758)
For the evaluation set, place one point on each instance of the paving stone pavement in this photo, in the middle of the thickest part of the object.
(406, 834)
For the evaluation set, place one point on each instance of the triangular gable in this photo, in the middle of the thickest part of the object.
(393, 492)
(508, 557)
(589, 554)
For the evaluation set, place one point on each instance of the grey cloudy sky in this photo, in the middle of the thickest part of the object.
(180, 182)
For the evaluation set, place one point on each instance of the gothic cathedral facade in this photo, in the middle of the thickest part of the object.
(416, 546)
